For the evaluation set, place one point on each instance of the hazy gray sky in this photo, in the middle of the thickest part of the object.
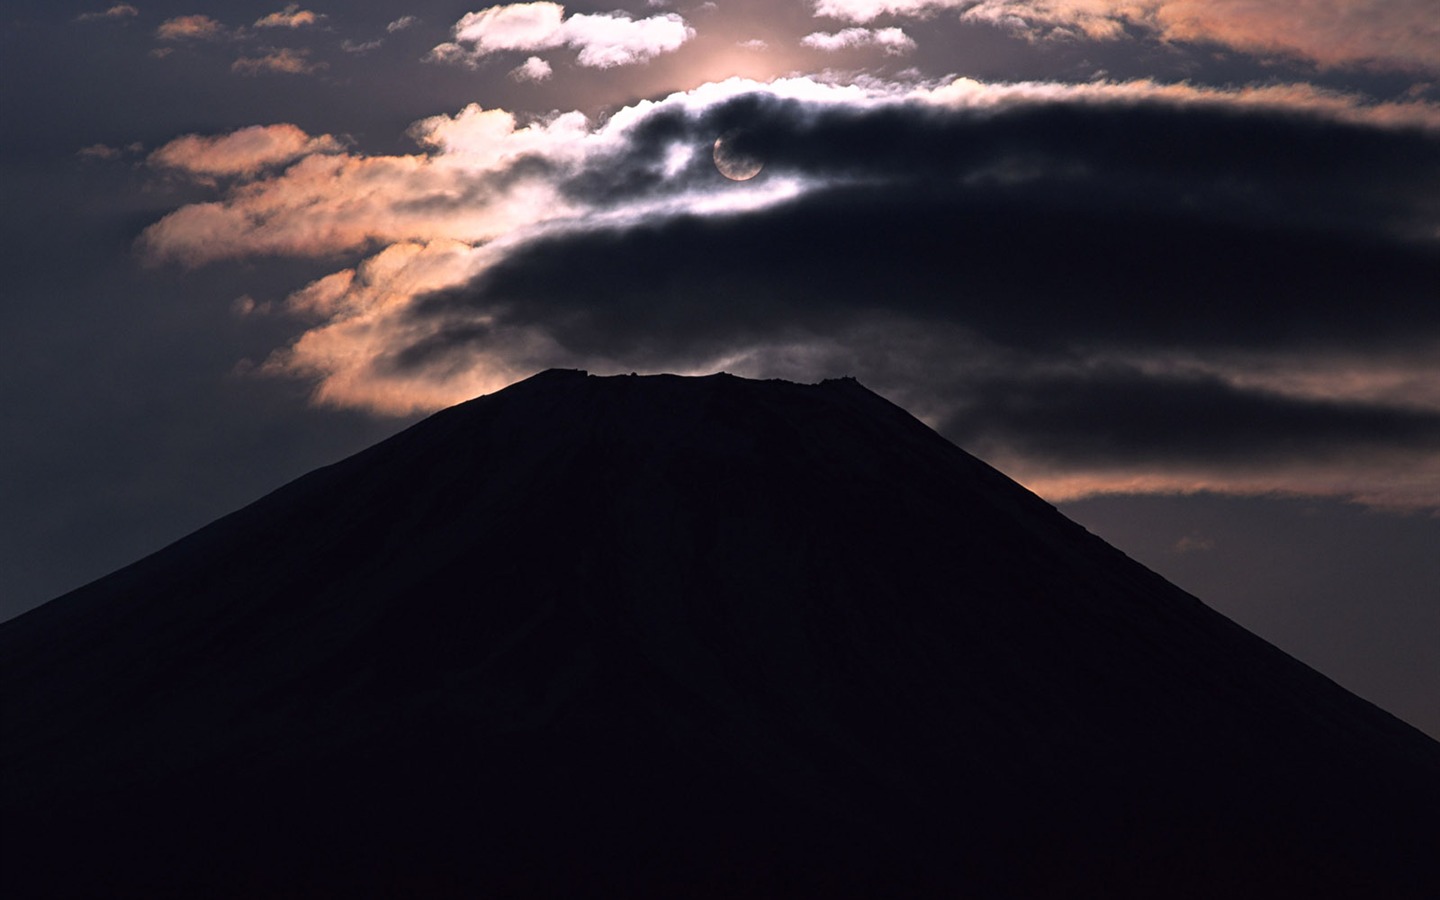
(1172, 264)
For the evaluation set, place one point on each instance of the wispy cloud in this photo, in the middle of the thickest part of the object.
(401, 24)
(1194, 542)
(99, 152)
(1403, 34)
(893, 41)
(603, 40)
(118, 11)
(243, 152)
(278, 61)
(191, 28)
(869, 10)
(292, 16)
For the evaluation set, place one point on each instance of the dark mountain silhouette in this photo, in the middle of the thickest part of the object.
(689, 637)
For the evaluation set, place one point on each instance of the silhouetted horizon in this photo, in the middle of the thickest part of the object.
(681, 636)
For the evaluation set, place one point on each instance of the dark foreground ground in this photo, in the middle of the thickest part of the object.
(690, 638)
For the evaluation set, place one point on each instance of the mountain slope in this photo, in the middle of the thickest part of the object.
(681, 636)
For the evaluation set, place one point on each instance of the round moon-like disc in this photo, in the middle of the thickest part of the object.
(735, 166)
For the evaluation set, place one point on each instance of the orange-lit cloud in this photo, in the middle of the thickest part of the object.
(243, 152)
(191, 28)
(361, 322)
(292, 16)
(1279, 98)
(1401, 34)
(461, 189)
(1402, 379)
(603, 40)
(1369, 473)
(484, 189)
(278, 61)
(1394, 481)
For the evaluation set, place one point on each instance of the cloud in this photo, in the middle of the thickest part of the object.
(870, 10)
(117, 11)
(611, 40)
(360, 310)
(244, 152)
(191, 28)
(292, 16)
(603, 40)
(893, 41)
(1078, 414)
(533, 69)
(1194, 542)
(517, 26)
(1274, 99)
(1403, 34)
(484, 175)
(99, 153)
(1101, 287)
(401, 24)
(278, 61)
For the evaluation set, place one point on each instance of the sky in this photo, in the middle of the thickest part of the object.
(1172, 264)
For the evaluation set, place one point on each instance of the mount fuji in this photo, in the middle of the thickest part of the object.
(643, 636)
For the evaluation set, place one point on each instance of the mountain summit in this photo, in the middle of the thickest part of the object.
(683, 637)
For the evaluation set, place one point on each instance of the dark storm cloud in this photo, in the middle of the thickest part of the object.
(1040, 228)
(1028, 266)
(1120, 415)
(1216, 160)
(1056, 236)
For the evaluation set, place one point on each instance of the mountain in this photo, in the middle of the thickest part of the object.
(683, 637)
